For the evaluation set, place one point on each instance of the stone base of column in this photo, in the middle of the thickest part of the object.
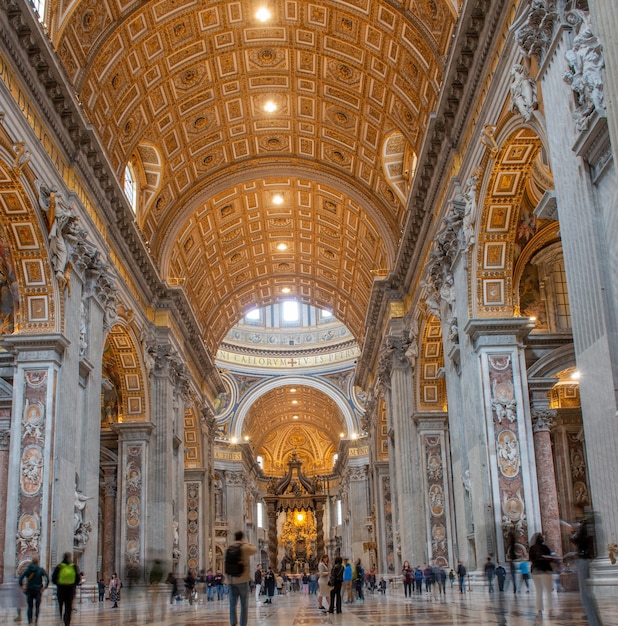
(604, 578)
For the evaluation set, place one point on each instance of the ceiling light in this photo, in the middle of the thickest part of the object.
(263, 14)
(294, 417)
(354, 436)
(277, 199)
(286, 290)
(246, 437)
(293, 390)
(575, 375)
(234, 440)
(270, 107)
(342, 435)
(294, 401)
(282, 246)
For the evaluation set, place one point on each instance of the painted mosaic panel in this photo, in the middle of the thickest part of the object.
(508, 452)
(32, 466)
(134, 466)
(193, 525)
(434, 464)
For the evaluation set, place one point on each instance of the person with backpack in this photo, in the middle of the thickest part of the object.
(461, 575)
(36, 580)
(237, 558)
(65, 578)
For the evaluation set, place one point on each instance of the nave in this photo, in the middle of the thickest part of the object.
(476, 608)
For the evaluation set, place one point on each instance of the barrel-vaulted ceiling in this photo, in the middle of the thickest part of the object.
(296, 420)
(179, 89)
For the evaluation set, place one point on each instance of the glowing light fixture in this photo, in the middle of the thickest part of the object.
(576, 375)
(294, 417)
(294, 401)
(277, 199)
(234, 440)
(300, 517)
(270, 106)
(247, 437)
(286, 290)
(293, 390)
(342, 435)
(263, 14)
(354, 436)
(282, 246)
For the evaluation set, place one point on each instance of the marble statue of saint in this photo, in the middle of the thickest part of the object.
(523, 92)
(586, 63)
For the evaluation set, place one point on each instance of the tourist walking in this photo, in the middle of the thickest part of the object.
(583, 538)
(219, 584)
(36, 580)
(524, 570)
(360, 580)
(335, 581)
(64, 577)
(347, 582)
(540, 558)
(323, 574)
(501, 577)
(408, 576)
(257, 579)
(114, 590)
(490, 572)
(269, 585)
(239, 583)
(461, 575)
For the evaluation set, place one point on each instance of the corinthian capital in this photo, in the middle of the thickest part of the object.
(543, 419)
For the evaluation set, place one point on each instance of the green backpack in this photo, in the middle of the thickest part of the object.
(66, 574)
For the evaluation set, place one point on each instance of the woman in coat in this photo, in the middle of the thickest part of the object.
(114, 590)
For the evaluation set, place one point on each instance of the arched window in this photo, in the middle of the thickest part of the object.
(39, 7)
(130, 186)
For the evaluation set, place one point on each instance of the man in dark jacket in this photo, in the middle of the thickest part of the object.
(36, 581)
(65, 578)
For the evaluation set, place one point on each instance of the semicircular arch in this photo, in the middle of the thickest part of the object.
(39, 308)
(503, 223)
(284, 381)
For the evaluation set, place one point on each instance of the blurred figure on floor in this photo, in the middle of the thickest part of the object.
(540, 558)
(582, 537)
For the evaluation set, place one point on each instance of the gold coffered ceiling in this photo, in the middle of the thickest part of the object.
(314, 436)
(179, 86)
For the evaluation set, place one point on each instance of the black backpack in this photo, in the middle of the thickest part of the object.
(233, 560)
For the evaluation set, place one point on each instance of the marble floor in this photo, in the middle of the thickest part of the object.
(475, 608)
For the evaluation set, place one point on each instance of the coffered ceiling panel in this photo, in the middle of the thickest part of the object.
(314, 433)
(225, 102)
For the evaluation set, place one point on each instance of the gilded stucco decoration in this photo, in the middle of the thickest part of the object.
(28, 282)
(179, 90)
(306, 423)
(507, 223)
(125, 396)
(431, 385)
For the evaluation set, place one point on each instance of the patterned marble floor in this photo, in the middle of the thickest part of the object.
(476, 608)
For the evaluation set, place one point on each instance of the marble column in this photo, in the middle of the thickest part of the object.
(37, 505)
(585, 182)
(5, 440)
(405, 479)
(433, 441)
(197, 552)
(542, 420)
(133, 488)
(358, 503)
(165, 496)
(606, 20)
(502, 471)
(110, 487)
(272, 533)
